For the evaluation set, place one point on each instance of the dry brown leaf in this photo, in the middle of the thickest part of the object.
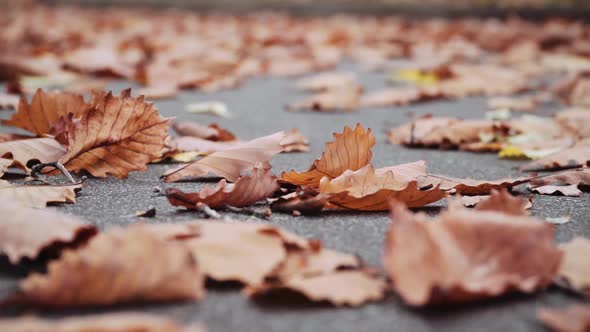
(576, 156)
(340, 288)
(158, 91)
(467, 255)
(579, 176)
(246, 191)
(569, 190)
(211, 132)
(327, 81)
(471, 201)
(575, 120)
(38, 196)
(294, 141)
(399, 96)
(469, 186)
(580, 93)
(307, 202)
(343, 98)
(118, 135)
(350, 150)
(232, 162)
(517, 104)
(105, 272)
(32, 234)
(504, 202)
(45, 110)
(574, 271)
(111, 322)
(575, 318)
(9, 101)
(21, 152)
(312, 261)
(370, 190)
(6, 137)
(100, 59)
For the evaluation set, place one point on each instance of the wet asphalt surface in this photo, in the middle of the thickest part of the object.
(258, 109)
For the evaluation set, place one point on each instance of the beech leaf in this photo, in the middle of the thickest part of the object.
(86, 277)
(246, 191)
(30, 233)
(118, 135)
(350, 150)
(467, 255)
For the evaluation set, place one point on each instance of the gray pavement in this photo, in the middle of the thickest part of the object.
(258, 109)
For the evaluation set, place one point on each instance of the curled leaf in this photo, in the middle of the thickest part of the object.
(246, 191)
(350, 150)
(106, 273)
(231, 162)
(467, 255)
(32, 234)
(118, 135)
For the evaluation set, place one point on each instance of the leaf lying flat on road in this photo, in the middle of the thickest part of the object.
(504, 202)
(111, 322)
(22, 151)
(367, 190)
(469, 186)
(105, 272)
(569, 190)
(349, 150)
(575, 318)
(467, 255)
(343, 98)
(211, 132)
(118, 135)
(37, 196)
(341, 288)
(580, 176)
(45, 110)
(246, 191)
(574, 270)
(576, 156)
(30, 233)
(232, 162)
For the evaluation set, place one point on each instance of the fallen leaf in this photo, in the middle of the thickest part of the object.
(158, 91)
(370, 190)
(469, 186)
(4, 164)
(211, 132)
(118, 135)
(576, 120)
(471, 201)
(340, 288)
(45, 110)
(579, 176)
(504, 202)
(32, 234)
(327, 81)
(343, 98)
(350, 150)
(575, 318)
(232, 162)
(580, 92)
(307, 202)
(576, 156)
(517, 104)
(88, 276)
(246, 191)
(399, 96)
(570, 190)
(294, 141)
(441, 261)
(211, 107)
(37, 196)
(111, 322)
(21, 152)
(574, 270)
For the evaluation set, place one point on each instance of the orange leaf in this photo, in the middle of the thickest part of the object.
(350, 150)
(118, 135)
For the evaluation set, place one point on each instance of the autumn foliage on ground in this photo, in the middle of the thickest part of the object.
(482, 245)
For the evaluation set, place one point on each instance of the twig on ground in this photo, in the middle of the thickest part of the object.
(55, 164)
(249, 211)
(208, 211)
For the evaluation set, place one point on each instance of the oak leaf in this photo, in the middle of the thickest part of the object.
(246, 191)
(350, 150)
(574, 270)
(111, 322)
(464, 256)
(119, 134)
(231, 162)
(105, 272)
(32, 234)
(38, 196)
(45, 110)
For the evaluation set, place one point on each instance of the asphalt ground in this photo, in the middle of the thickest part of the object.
(258, 109)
